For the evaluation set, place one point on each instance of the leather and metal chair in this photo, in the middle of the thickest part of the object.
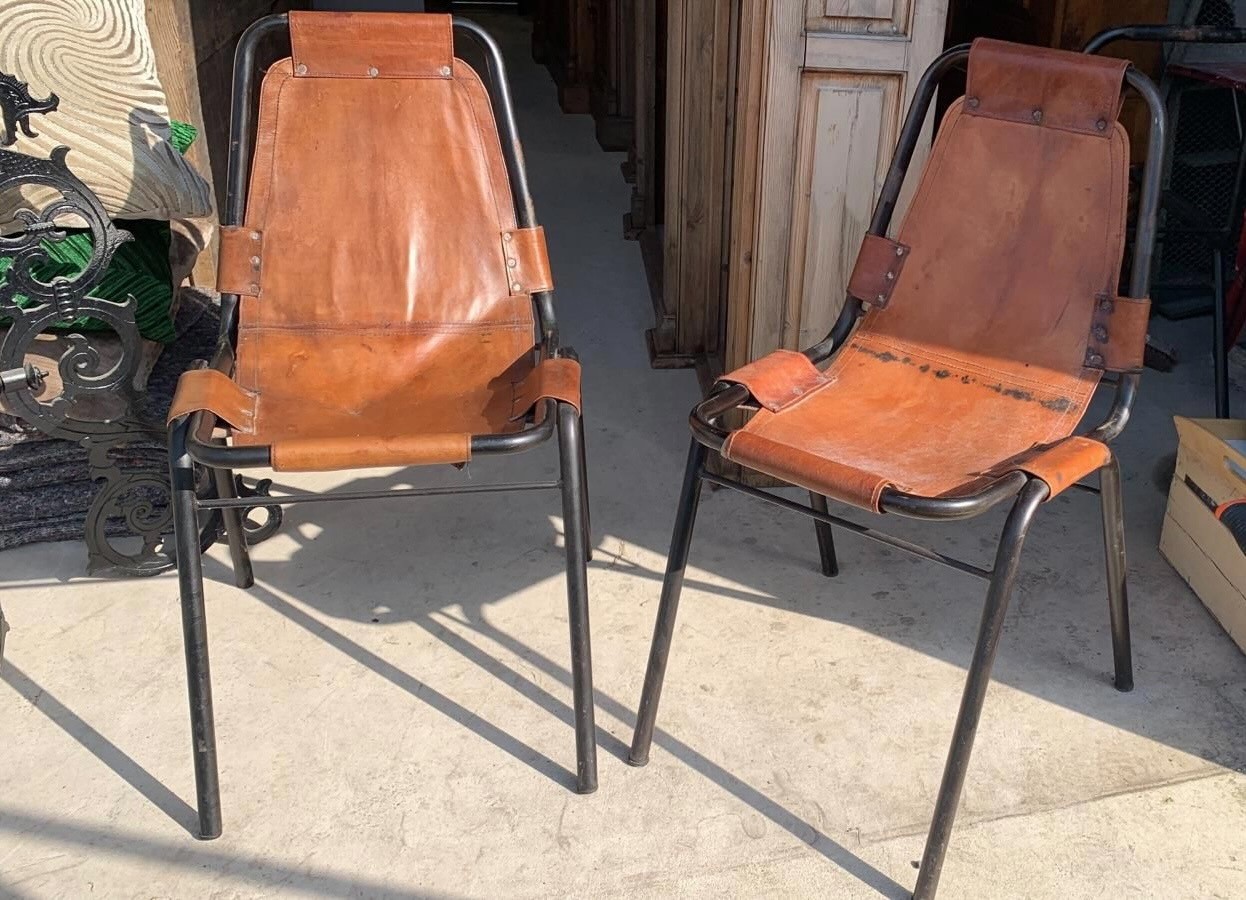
(984, 330)
(386, 302)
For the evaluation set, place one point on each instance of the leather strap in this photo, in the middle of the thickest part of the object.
(552, 379)
(371, 45)
(810, 470)
(1118, 331)
(1064, 464)
(778, 379)
(527, 260)
(208, 389)
(1044, 87)
(334, 453)
(241, 261)
(877, 270)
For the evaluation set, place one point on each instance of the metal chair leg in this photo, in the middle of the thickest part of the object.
(1219, 341)
(235, 531)
(1114, 549)
(826, 538)
(672, 585)
(194, 632)
(588, 521)
(1004, 575)
(575, 528)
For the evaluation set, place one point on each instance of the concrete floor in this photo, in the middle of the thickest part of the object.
(393, 695)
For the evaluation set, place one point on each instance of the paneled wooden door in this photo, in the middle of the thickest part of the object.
(822, 89)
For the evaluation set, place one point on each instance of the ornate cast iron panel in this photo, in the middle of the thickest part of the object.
(98, 406)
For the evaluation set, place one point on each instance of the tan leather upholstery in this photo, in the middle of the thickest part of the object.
(389, 317)
(878, 267)
(978, 363)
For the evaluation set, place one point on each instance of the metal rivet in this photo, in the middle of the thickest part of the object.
(881, 298)
(510, 263)
(445, 71)
(1105, 304)
(373, 71)
(300, 69)
(1037, 115)
(255, 235)
(508, 237)
(255, 288)
(255, 262)
(1102, 124)
(1101, 334)
(890, 276)
(1094, 359)
(516, 286)
(899, 251)
(972, 102)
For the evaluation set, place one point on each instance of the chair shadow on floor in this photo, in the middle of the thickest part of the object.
(445, 627)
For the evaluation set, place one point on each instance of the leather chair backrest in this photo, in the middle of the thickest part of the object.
(1017, 229)
(380, 229)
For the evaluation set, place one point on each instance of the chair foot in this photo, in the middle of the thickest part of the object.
(826, 538)
(575, 528)
(1007, 558)
(235, 530)
(1114, 550)
(195, 634)
(664, 628)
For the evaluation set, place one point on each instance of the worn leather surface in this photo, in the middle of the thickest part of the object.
(552, 379)
(321, 454)
(1064, 464)
(385, 330)
(1118, 334)
(778, 379)
(877, 269)
(240, 261)
(373, 45)
(527, 260)
(209, 389)
(979, 357)
(1047, 88)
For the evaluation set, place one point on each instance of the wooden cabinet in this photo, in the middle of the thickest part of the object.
(562, 39)
(781, 119)
(613, 83)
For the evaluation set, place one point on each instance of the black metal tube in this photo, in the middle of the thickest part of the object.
(668, 605)
(847, 524)
(1007, 558)
(1168, 34)
(570, 438)
(194, 633)
(910, 134)
(952, 508)
(291, 499)
(243, 103)
(826, 536)
(235, 530)
(1219, 348)
(1144, 243)
(512, 153)
(518, 441)
(1114, 549)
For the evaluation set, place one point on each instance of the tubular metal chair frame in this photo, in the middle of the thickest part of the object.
(1217, 238)
(191, 442)
(1029, 492)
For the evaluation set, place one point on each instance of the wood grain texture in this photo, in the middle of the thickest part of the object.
(97, 56)
(173, 40)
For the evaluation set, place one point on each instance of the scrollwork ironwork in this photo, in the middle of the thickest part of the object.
(17, 105)
(97, 405)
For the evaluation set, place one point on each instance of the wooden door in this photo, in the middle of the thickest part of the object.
(822, 89)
